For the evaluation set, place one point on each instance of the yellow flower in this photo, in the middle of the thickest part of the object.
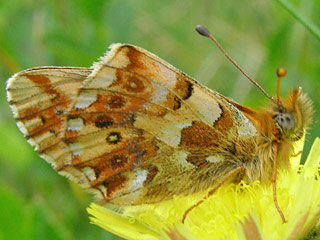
(234, 212)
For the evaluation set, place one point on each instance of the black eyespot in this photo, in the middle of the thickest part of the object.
(103, 121)
(114, 138)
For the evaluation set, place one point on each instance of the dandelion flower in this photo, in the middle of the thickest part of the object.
(234, 212)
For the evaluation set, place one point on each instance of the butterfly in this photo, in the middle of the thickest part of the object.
(133, 129)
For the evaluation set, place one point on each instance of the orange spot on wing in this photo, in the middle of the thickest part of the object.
(76, 159)
(49, 118)
(198, 160)
(70, 134)
(199, 135)
(113, 184)
(116, 102)
(28, 112)
(224, 122)
(135, 59)
(103, 103)
(134, 84)
(183, 87)
(153, 170)
(109, 165)
(44, 83)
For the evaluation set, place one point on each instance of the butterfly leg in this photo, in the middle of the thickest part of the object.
(296, 154)
(274, 184)
(212, 191)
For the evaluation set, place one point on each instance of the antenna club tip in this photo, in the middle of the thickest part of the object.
(202, 30)
(281, 72)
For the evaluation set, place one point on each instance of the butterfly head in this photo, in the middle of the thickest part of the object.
(293, 114)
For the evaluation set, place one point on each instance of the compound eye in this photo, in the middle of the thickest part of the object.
(285, 121)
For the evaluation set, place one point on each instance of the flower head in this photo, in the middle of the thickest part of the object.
(234, 212)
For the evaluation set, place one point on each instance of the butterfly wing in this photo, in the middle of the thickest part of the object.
(135, 129)
(39, 99)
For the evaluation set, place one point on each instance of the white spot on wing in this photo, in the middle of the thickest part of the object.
(75, 148)
(141, 176)
(214, 159)
(22, 127)
(85, 99)
(208, 109)
(171, 134)
(181, 158)
(102, 78)
(169, 76)
(89, 172)
(160, 93)
(33, 123)
(103, 190)
(75, 124)
(246, 127)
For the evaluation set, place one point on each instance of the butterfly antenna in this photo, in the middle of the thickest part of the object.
(205, 32)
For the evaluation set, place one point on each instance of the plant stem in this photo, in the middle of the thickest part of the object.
(312, 28)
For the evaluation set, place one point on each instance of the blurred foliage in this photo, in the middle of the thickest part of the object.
(37, 203)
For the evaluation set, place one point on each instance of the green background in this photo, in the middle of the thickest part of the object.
(37, 203)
